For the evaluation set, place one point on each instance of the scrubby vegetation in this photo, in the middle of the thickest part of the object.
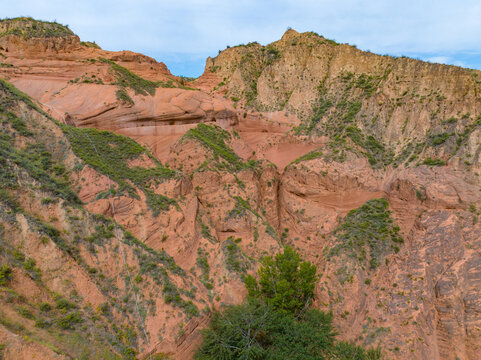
(156, 264)
(235, 259)
(5, 274)
(123, 97)
(33, 170)
(214, 139)
(126, 79)
(203, 264)
(109, 154)
(434, 162)
(268, 326)
(309, 156)
(335, 115)
(366, 235)
(34, 158)
(28, 28)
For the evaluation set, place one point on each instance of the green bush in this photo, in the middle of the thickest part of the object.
(45, 306)
(109, 154)
(64, 304)
(68, 321)
(254, 330)
(5, 274)
(236, 260)
(434, 162)
(36, 161)
(439, 139)
(28, 28)
(285, 283)
(214, 138)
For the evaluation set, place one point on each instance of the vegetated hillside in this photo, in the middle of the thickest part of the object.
(395, 238)
(74, 284)
(394, 111)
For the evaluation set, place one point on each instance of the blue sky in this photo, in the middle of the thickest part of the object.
(182, 33)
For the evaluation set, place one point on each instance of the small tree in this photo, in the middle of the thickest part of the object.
(271, 325)
(285, 283)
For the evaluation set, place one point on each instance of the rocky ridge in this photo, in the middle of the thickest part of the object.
(395, 240)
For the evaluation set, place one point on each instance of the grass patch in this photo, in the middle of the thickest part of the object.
(309, 156)
(214, 138)
(127, 79)
(439, 139)
(122, 96)
(5, 274)
(203, 264)
(112, 157)
(34, 159)
(434, 162)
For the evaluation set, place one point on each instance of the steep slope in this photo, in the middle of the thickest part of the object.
(395, 111)
(367, 165)
(395, 271)
(72, 281)
(81, 84)
(56, 177)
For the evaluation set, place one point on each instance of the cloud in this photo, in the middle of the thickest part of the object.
(198, 28)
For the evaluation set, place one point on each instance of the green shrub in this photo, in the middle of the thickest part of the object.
(214, 138)
(309, 156)
(68, 321)
(236, 261)
(45, 306)
(36, 161)
(127, 79)
(254, 330)
(285, 283)
(434, 162)
(439, 139)
(122, 96)
(5, 274)
(348, 351)
(64, 304)
(28, 28)
(15, 122)
(109, 154)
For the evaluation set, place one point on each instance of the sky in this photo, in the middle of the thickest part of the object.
(183, 33)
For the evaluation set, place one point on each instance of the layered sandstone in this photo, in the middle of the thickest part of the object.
(316, 132)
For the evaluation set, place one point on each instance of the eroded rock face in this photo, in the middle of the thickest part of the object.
(76, 85)
(238, 195)
(411, 109)
(421, 302)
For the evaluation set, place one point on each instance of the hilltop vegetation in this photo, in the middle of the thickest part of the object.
(28, 28)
